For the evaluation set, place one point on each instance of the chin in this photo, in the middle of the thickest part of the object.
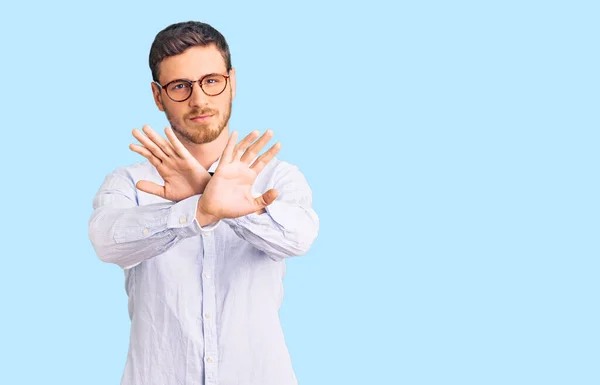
(203, 134)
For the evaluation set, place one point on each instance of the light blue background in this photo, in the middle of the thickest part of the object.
(452, 148)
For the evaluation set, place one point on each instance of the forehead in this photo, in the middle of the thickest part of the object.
(192, 64)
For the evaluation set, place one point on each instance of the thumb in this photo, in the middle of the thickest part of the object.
(151, 188)
(266, 199)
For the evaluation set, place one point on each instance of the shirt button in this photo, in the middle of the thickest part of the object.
(182, 219)
(209, 359)
(207, 315)
(145, 231)
(206, 275)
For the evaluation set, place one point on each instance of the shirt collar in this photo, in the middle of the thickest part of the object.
(214, 166)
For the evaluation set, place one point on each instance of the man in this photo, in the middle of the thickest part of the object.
(203, 254)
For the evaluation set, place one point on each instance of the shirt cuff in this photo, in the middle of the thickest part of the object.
(183, 218)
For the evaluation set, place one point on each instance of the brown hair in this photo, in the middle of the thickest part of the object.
(176, 38)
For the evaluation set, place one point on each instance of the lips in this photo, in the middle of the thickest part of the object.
(200, 118)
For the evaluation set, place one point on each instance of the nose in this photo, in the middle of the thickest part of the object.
(198, 97)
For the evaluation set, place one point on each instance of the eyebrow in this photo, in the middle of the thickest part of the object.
(188, 80)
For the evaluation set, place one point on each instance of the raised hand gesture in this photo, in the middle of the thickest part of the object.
(183, 175)
(229, 192)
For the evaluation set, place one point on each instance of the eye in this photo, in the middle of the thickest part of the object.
(179, 86)
(212, 80)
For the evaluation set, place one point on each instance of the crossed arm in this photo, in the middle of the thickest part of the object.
(280, 222)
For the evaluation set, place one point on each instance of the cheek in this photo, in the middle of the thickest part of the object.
(224, 105)
(175, 111)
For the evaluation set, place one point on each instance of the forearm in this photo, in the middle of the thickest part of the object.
(284, 230)
(289, 225)
(128, 236)
(126, 233)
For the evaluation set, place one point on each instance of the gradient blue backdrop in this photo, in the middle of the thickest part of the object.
(452, 148)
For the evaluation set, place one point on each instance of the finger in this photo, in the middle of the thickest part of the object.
(244, 143)
(228, 151)
(178, 147)
(151, 188)
(149, 144)
(143, 151)
(266, 199)
(159, 140)
(260, 162)
(256, 147)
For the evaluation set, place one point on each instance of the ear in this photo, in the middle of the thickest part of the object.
(232, 82)
(157, 99)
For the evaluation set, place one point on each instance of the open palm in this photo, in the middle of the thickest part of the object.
(182, 174)
(229, 192)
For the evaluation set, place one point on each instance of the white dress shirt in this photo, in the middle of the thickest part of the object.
(203, 302)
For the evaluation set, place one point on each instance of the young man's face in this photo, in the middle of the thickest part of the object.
(200, 118)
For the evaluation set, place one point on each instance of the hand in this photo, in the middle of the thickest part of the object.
(229, 192)
(184, 176)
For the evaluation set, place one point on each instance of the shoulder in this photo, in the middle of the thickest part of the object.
(136, 171)
(279, 172)
(277, 168)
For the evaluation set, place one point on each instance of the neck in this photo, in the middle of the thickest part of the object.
(208, 153)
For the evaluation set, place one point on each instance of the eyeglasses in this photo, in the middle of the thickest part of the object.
(180, 90)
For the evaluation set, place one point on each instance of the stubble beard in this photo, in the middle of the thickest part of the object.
(200, 133)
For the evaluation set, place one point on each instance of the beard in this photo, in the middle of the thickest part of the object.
(200, 133)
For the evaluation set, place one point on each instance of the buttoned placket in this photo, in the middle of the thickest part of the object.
(209, 307)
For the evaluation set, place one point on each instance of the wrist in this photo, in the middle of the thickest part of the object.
(203, 217)
(203, 184)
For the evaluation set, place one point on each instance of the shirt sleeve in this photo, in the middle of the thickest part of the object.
(290, 225)
(125, 233)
